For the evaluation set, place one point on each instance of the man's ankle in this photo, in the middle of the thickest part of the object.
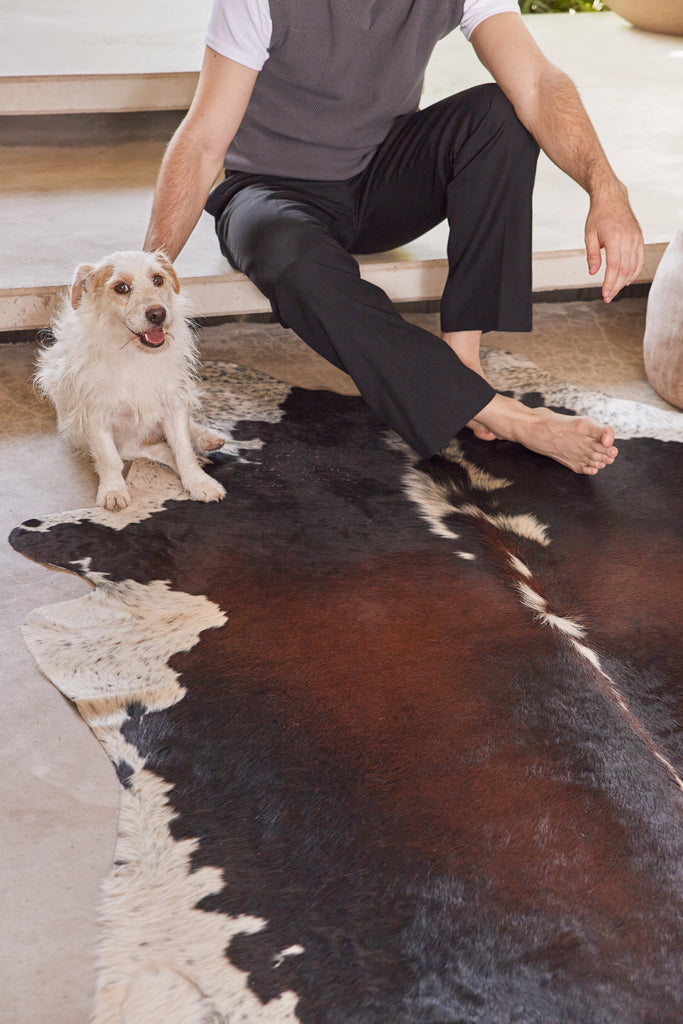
(466, 345)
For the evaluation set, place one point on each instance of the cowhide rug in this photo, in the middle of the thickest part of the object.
(399, 741)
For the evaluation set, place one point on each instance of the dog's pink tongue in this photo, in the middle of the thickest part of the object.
(155, 337)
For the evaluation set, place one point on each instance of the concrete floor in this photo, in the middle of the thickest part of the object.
(58, 794)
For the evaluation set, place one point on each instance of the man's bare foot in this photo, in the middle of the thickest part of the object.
(466, 344)
(578, 442)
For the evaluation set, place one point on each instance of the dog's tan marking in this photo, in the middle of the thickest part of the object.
(78, 285)
(169, 268)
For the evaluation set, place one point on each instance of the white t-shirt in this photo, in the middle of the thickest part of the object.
(241, 29)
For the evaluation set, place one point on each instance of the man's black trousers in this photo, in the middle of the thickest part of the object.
(466, 158)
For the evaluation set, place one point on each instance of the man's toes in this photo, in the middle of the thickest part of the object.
(598, 459)
(605, 455)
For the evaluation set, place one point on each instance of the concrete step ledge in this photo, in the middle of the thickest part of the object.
(84, 94)
(72, 57)
(405, 276)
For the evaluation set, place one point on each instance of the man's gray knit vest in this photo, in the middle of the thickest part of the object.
(338, 75)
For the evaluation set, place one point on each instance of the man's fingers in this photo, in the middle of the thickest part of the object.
(593, 252)
(613, 281)
(611, 226)
(638, 260)
(618, 273)
(624, 260)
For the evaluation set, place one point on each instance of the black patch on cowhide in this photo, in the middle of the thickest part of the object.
(398, 766)
(124, 772)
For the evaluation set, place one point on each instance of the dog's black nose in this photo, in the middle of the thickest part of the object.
(156, 315)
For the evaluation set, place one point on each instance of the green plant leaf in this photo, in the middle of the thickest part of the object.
(559, 6)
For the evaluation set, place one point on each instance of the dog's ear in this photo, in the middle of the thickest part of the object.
(79, 283)
(169, 268)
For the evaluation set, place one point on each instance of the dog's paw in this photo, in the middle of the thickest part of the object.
(209, 441)
(114, 500)
(205, 489)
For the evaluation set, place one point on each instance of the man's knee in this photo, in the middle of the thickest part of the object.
(498, 113)
(288, 253)
(272, 248)
(490, 97)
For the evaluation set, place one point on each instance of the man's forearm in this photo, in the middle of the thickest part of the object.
(545, 100)
(194, 155)
(558, 120)
(548, 104)
(184, 182)
(564, 131)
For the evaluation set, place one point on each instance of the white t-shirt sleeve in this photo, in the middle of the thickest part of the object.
(476, 11)
(240, 30)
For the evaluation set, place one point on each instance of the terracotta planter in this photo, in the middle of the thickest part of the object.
(663, 341)
(654, 15)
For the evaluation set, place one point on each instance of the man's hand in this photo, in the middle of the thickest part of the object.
(612, 226)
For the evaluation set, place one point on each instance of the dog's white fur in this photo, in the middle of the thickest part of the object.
(121, 373)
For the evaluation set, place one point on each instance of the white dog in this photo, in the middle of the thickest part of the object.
(121, 373)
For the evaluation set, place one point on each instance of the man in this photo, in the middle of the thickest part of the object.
(312, 107)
